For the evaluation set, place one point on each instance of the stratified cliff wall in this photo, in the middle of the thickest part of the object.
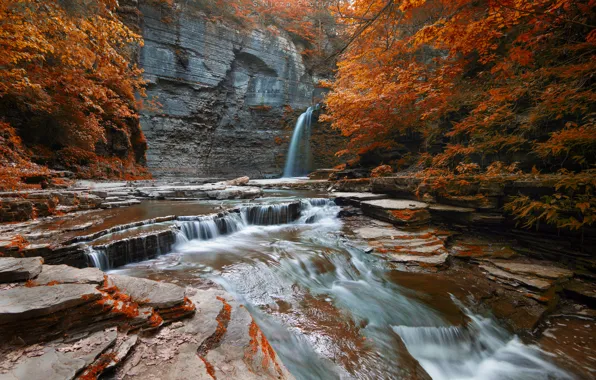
(223, 93)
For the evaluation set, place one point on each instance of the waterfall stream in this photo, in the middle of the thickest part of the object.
(329, 309)
(298, 159)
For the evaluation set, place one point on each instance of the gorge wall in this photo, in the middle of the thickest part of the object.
(227, 96)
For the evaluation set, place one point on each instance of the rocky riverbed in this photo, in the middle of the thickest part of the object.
(282, 279)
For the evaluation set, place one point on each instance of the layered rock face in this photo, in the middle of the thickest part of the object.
(223, 93)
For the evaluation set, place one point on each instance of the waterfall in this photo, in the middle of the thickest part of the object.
(99, 259)
(298, 159)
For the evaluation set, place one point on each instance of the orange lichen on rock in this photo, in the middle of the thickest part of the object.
(155, 320)
(213, 341)
(113, 304)
(177, 312)
(18, 242)
(258, 340)
(404, 215)
(209, 367)
(95, 370)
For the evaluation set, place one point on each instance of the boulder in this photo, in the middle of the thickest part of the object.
(14, 269)
(64, 274)
(398, 212)
(159, 295)
(242, 181)
(23, 303)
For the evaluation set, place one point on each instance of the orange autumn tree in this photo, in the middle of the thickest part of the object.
(480, 82)
(68, 84)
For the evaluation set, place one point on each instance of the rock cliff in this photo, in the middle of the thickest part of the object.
(223, 93)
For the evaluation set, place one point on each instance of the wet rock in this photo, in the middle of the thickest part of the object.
(23, 303)
(516, 280)
(582, 291)
(155, 294)
(119, 252)
(64, 274)
(399, 212)
(59, 361)
(548, 272)
(19, 269)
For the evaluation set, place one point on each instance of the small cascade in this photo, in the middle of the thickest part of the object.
(209, 227)
(268, 215)
(316, 209)
(480, 350)
(98, 258)
(298, 159)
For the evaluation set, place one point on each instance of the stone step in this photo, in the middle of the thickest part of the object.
(547, 272)
(158, 295)
(14, 269)
(398, 212)
(516, 280)
(64, 274)
(22, 303)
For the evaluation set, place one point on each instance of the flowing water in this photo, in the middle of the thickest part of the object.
(298, 159)
(332, 311)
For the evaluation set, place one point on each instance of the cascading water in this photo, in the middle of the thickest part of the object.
(481, 350)
(98, 259)
(211, 227)
(298, 159)
(330, 310)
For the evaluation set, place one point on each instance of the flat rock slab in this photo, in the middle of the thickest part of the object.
(159, 295)
(379, 232)
(549, 272)
(64, 274)
(481, 251)
(583, 291)
(360, 196)
(24, 303)
(517, 279)
(399, 212)
(220, 341)
(448, 208)
(397, 204)
(14, 269)
(436, 260)
(61, 361)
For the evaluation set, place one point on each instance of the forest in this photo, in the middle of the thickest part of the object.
(486, 89)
